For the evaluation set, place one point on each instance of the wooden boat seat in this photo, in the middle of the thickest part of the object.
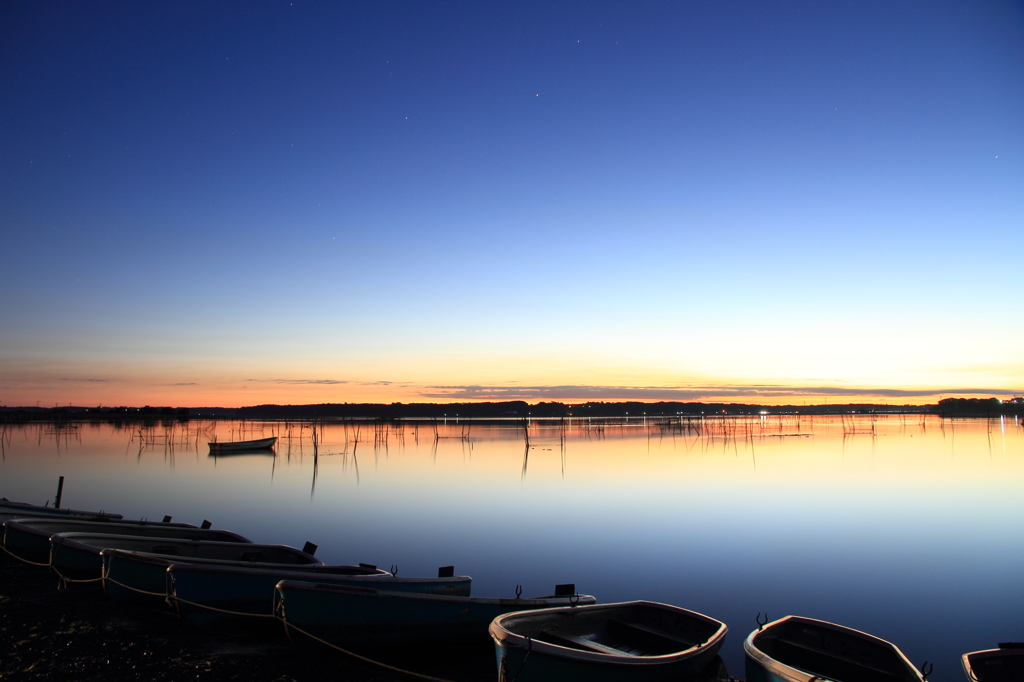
(833, 665)
(574, 642)
(670, 641)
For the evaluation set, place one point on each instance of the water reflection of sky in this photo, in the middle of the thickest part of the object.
(910, 529)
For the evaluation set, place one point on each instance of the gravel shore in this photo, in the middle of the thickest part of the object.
(79, 634)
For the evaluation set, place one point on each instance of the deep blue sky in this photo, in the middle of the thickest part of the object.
(643, 194)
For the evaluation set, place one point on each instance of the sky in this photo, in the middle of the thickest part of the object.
(240, 203)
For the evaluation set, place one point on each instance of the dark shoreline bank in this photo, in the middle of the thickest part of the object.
(82, 635)
(503, 411)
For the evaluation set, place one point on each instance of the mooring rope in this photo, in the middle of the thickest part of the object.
(172, 599)
(106, 578)
(65, 581)
(360, 656)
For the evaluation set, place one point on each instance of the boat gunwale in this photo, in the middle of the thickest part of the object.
(168, 559)
(313, 585)
(74, 536)
(31, 523)
(186, 566)
(792, 674)
(68, 540)
(33, 509)
(506, 638)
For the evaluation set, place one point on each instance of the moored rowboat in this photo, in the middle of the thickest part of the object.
(77, 555)
(343, 614)
(259, 444)
(1005, 664)
(797, 649)
(12, 510)
(639, 640)
(29, 538)
(196, 590)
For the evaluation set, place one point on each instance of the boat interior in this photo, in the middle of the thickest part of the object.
(1005, 664)
(634, 630)
(836, 654)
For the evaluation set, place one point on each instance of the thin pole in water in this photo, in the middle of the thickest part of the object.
(60, 492)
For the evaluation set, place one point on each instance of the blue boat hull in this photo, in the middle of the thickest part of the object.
(757, 673)
(142, 576)
(197, 590)
(29, 538)
(541, 668)
(361, 615)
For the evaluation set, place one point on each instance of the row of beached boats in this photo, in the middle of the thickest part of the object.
(216, 578)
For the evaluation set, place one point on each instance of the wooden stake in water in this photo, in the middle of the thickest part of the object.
(60, 492)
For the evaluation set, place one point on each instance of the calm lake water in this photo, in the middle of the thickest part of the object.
(911, 528)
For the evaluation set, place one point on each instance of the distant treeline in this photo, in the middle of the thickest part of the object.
(517, 409)
(521, 409)
(978, 407)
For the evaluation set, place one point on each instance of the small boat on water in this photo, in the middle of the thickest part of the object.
(363, 615)
(265, 453)
(242, 445)
(29, 538)
(1005, 664)
(639, 640)
(195, 590)
(797, 649)
(78, 555)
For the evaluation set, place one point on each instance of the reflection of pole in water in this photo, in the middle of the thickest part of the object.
(355, 463)
(526, 444)
(316, 468)
(1002, 429)
(316, 459)
(561, 445)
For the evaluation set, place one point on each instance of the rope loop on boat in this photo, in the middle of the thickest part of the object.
(64, 581)
(422, 676)
(23, 559)
(172, 600)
